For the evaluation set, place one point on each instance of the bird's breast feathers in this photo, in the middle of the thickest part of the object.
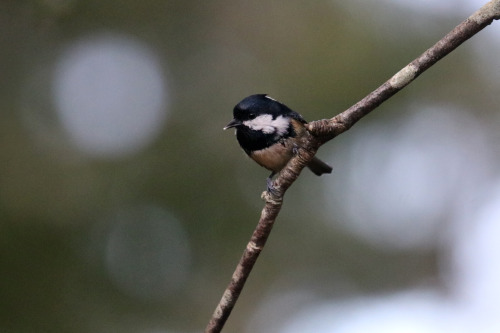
(275, 157)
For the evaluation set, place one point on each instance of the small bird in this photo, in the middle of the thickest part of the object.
(269, 132)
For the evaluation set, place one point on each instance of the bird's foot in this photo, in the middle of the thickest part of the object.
(270, 187)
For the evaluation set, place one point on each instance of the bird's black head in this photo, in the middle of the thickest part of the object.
(263, 108)
(261, 121)
(261, 104)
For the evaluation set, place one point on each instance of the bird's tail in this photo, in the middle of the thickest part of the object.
(318, 167)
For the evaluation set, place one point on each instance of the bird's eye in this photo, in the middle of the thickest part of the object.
(251, 116)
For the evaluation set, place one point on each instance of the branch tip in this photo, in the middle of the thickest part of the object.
(487, 13)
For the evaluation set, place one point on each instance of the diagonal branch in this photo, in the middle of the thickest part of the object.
(322, 131)
(328, 129)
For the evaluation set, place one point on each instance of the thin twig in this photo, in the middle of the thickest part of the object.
(322, 131)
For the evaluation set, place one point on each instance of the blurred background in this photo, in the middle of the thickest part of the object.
(124, 207)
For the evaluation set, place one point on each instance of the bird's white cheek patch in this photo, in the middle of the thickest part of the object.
(261, 123)
(268, 125)
(281, 125)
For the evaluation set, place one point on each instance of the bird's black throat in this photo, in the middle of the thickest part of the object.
(251, 140)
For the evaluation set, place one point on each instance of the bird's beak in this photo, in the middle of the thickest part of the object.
(233, 123)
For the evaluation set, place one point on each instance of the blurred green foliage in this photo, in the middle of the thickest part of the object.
(319, 57)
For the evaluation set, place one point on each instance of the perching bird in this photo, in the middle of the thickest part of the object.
(269, 132)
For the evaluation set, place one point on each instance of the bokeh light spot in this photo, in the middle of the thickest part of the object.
(410, 312)
(110, 94)
(400, 181)
(475, 261)
(147, 252)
